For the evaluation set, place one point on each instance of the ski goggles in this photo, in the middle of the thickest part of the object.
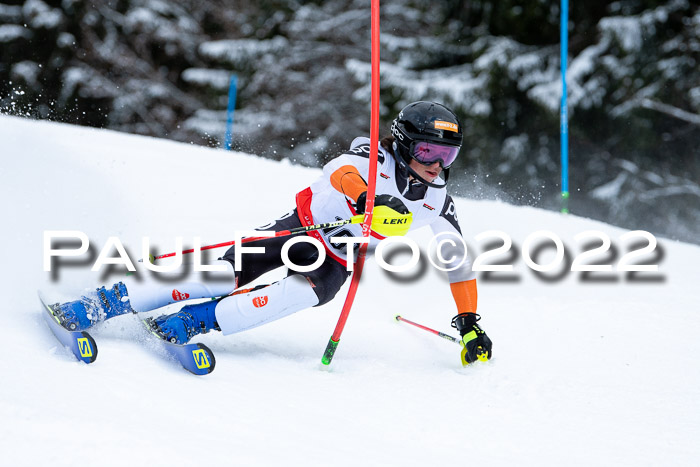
(429, 153)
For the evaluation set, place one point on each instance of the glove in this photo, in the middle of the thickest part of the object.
(381, 200)
(476, 345)
(390, 216)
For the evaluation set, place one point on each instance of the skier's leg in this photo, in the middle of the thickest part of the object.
(158, 290)
(149, 293)
(237, 312)
(103, 303)
(327, 280)
(296, 292)
(247, 310)
(191, 320)
(255, 265)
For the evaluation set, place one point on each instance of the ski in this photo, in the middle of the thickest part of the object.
(80, 343)
(196, 358)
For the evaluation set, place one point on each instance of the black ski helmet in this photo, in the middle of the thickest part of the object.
(426, 122)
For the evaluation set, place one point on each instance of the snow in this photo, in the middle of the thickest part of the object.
(610, 190)
(457, 82)
(585, 92)
(208, 122)
(41, 16)
(11, 32)
(65, 40)
(628, 30)
(497, 50)
(394, 43)
(584, 372)
(10, 13)
(237, 52)
(217, 79)
(28, 71)
(695, 97)
(141, 19)
(586, 86)
(89, 83)
(167, 22)
(514, 148)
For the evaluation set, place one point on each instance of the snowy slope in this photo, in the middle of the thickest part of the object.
(584, 373)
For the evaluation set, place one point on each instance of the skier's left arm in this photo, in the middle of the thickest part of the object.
(452, 252)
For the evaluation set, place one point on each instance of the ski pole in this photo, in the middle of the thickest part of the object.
(282, 233)
(399, 318)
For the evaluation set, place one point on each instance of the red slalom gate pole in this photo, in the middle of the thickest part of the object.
(425, 328)
(371, 190)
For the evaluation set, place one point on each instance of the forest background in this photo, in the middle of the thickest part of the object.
(303, 87)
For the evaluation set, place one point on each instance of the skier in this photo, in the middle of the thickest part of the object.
(413, 169)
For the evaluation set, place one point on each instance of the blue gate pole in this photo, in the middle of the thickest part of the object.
(229, 114)
(563, 112)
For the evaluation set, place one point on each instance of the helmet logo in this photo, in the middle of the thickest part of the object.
(441, 125)
(395, 131)
(259, 302)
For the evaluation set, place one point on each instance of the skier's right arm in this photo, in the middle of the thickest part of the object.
(348, 181)
(346, 174)
(391, 214)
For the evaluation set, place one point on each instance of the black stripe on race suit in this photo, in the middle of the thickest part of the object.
(363, 151)
(449, 213)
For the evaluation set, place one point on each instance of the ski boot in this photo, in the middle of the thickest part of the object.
(93, 308)
(180, 327)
